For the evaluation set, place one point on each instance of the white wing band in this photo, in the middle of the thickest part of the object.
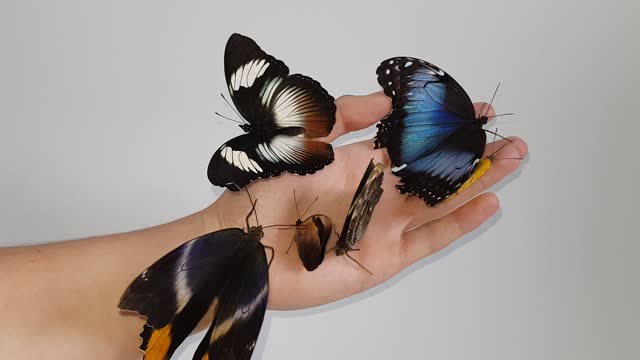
(240, 159)
(247, 74)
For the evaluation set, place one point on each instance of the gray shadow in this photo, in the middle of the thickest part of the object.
(396, 279)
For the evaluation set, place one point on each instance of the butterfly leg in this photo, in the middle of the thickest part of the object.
(356, 261)
(334, 246)
(273, 254)
(253, 209)
(330, 250)
(290, 245)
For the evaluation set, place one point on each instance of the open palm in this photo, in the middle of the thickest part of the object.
(402, 230)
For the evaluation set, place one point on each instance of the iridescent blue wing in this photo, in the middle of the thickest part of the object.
(428, 106)
(442, 173)
(432, 136)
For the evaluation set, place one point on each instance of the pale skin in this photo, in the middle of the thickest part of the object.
(60, 300)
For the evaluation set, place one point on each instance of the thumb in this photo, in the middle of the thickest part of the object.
(358, 112)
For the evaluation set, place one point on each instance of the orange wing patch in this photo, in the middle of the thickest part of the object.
(158, 344)
(482, 168)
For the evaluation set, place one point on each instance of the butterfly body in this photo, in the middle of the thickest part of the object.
(434, 139)
(284, 114)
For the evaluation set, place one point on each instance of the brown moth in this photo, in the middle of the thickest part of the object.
(364, 201)
(311, 236)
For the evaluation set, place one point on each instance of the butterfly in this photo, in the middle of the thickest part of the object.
(434, 139)
(282, 115)
(311, 236)
(225, 271)
(364, 201)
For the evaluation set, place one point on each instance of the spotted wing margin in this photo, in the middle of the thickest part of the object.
(428, 107)
(247, 67)
(176, 291)
(439, 175)
(238, 309)
(244, 158)
(364, 201)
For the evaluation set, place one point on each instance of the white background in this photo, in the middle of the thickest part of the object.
(107, 125)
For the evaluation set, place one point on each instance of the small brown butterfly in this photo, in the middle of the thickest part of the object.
(311, 236)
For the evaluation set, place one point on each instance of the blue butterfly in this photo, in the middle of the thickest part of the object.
(434, 139)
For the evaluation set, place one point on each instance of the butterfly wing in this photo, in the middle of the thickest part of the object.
(177, 290)
(432, 135)
(239, 309)
(268, 98)
(364, 201)
(311, 238)
(301, 102)
(247, 68)
(443, 173)
(244, 158)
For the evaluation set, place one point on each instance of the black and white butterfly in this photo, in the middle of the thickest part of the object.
(283, 113)
(225, 272)
(434, 139)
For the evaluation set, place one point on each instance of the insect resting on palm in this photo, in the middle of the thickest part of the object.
(434, 139)
(226, 272)
(283, 116)
(364, 202)
(311, 236)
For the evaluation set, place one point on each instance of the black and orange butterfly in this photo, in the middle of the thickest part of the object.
(225, 271)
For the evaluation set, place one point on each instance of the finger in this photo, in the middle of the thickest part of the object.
(505, 162)
(438, 234)
(358, 112)
(483, 108)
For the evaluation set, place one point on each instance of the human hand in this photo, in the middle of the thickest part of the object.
(402, 230)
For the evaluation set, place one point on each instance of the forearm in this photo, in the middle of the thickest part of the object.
(64, 295)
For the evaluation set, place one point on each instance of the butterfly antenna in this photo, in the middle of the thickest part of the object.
(229, 104)
(495, 133)
(482, 110)
(228, 118)
(505, 114)
(310, 205)
(246, 220)
(282, 226)
(491, 102)
(509, 141)
(253, 207)
(356, 261)
(295, 200)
